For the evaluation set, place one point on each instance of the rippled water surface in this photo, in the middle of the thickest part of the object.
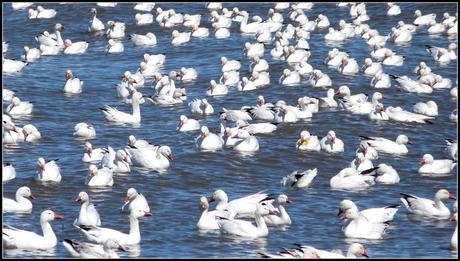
(174, 195)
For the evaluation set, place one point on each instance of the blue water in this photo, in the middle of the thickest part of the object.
(174, 195)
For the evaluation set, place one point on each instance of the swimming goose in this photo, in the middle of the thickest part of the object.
(235, 115)
(378, 113)
(72, 85)
(192, 20)
(360, 227)
(386, 174)
(45, 13)
(31, 133)
(262, 111)
(429, 108)
(100, 177)
(31, 55)
(319, 79)
(232, 65)
(361, 163)
(423, 19)
(114, 115)
(249, 143)
(75, 48)
(256, 128)
(398, 114)
(259, 79)
(48, 171)
(115, 30)
(186, 124)
(46, 38)
(303, 68)
(448, 19)
(378, 52)
(143, 19)
(20, 5)
(289, 77)
(344, 91)
(11, 133)
(427, 207)
(12, 66)
(354, 250)
(157, 158)
(334, 57)
(200, 32)
(106, 4)
(347, 28)
(95, 24)
(283, 219)
(409, 27)
(8, 95)
(435, 28)
(442, 55)
(322, 21)
(397, 147)
(49, 50)
(92, 155)
(373, 215)
(335, 36)
(293, 55)
(245, 206)
(245, 228)
(300, 180)
(330, 143)
(453, 240)
(14, 238)
(452, 146)
(18, 107)
(143, 40)
(400, 35)
(381, 80)
(328, 101)
(101, 234)
(253, 50)
(216, 89)
(391, 59)
(361, 107)
(180, 38)
(260, 65)
(308, 142)
(21, 204)
(351, 179)
(393, 9)
(428, 165)
(348, 66)
(88, 215)
(88, 250)
(187, 74)
(8, 172)
(222, 33)
(249, 28)
(209, 140)
(408, 85)
(370, 67)
(246, 85)
(195, 107)
(122, 162)
(135, 200)
(208, 219)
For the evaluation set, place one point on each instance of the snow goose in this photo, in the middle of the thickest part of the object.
(48, 171)
(289, 77)
(18, 107)
(452, 146)
(335, 36)
(373, 215)
(328, 101)
(213, 6)
(376, 39)
(253, 50)
(360, 227)
(92, 155)
(100, 177)
(378, 52)
(196, 107)
(230, 133)
(12, 66)
(354, 250)
(31, 55)
(246, 85)
(122, 162)
(427, 207)
(230, 78)
(232, 65)
(235, 115)
(351, 179)
(72, 85)
(115, 30)
(370, 67)
(364, 107)
(11, 133)
(114, 115)
(391, 59)
(216, 89)
(180, 38)
(88, 214)
(378, 113)
(75, 48)
(277, 52)
(245, 206)
(106, 4)
(346, 28)
(435, 28)
(330, 143)
(31, 133)
(259, 65)
(157, 158)
(408, 85)
(46, 38)
(143, 40)
(186, 124)
(393, 9)
(21, 204)
(49, 50)
(143, 19)
(208, 219)
(360, 163)
(409, 27)
(14, 238)
(293, 55)
(303, 68)
(262, 111)
(200, 32)
(428, 165)
(45, 13)
(249, 28)
(348, 66)
(256, 128)
(453, 115)
(322, 21)
(9, 172)
(193, 21)
(135, 200)
(397, 147)
(400, 35)
(222, 33)
(209, 140)
(260, 79)
(283, 219)
(8, 95)
(319, 79)
(423, 19)
(381, 80)
(101, 234)
(245, 228)
(448, 19)
(264, 36)
(334, 57)
(429, 108)
(20, 5)
(386, 174)
(96, 25)
(287, 114)
(88, 250)
(308, 142)
(154, 59)
(249, 143)
(398, 114)
(300, 180)
(344, 91)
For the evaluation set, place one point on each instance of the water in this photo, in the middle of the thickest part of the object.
(174, 195)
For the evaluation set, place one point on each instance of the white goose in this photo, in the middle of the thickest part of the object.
(429, 108)
(186, 124)
(410, 27)
(143, 19)
(101, 234)
(232, 65)
(423, 19)
(8, 172)
(397, 147)
(348, 66)
(100, 177)
(88, 250)
(95, 24)
(143, 40)
(45, 13)
(157, 158)
(14, 238)
(351, 179)
(122, 162)
(92, 155)
(75, 48)
(408, 85)
(381, 80)
(246, 85)
(84, 130)
(135, 200)
(353, 250)
(208, 220)
(46, 38)
(188, 74)
(319, 79)
(431, 166)
(400, 35)
(334, 57)
(249, 143)
(244, 206)
(328, 101)
(452, 148)
(253, 50)
(200, 32)
(31, 55)
(289, 77)
(427, 207)
(373, 215)
(72, 85)
(114, 115)
(116, 30)
(146, 7)
(21, 204)
(216, 89)
(256, 128)
(180, 38)
(386, 174)
(370, 67)
(209, 141)
(245, 228)
(48, 171)
(195, 107)
(260, 78)
(31, 133)
(283, 219)
(398, 114)
(361, 163)
(393, 9)
(335, 36)
(114, 47)
(360, 227)
(88, 215)
(300, 180)
(392, 59)
(330, 143)
(250, 28)
(49, 50)
(235, 115)
(308, 142)
(18, 107)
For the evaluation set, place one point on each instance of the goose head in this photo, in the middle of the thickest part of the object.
(49, 215)
(403, 139)
(131, 194)
(82, 197)
(25, 192)
(426, 159)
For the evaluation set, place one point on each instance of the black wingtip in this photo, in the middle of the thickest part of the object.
(429, 121)
(450, 140)
(393, 206)
(365, 137)
(406, 195)
(103, 109)
(68, 241)
(367, 171)
(393, 76)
